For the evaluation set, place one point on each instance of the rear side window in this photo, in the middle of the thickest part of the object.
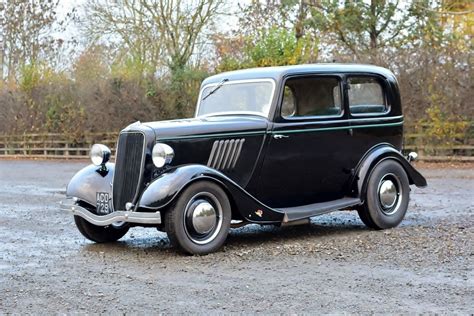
(366, 96)
(311, 96)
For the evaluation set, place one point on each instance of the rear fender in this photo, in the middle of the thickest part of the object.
(165, 189)
(88, 181)
(374, 157)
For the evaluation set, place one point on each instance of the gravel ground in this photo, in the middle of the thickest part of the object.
(333, 265)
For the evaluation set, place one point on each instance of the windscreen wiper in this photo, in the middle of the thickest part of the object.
(215, 89)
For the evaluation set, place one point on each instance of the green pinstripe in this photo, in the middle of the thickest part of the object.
(322, 129)
(294, 131)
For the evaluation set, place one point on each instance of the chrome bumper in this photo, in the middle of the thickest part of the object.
(118, 216)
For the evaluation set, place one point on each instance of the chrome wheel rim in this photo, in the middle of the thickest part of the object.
(203, 218)
(389, 194)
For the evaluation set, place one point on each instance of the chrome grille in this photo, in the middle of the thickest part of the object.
(128, 168)
(225, 153)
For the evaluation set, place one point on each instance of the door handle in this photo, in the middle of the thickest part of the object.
(279, 136)
(350, 131)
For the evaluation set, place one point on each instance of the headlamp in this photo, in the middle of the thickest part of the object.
(100, 154)
(162, 154)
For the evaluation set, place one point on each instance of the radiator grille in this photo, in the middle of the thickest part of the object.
(225, 153)
(128, 168)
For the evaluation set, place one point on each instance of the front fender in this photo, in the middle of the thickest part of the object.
(379, 153)
(88, 181)
(166, 188)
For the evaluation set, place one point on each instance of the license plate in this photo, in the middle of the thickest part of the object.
(103, 203)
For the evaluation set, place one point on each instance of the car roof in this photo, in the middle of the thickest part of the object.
(277, 73)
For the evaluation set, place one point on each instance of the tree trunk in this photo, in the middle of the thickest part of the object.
(373, 27)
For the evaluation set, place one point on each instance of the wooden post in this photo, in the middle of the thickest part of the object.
(66, 151)
(24, 145)
(45, 151)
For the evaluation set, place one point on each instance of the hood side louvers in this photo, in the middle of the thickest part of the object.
(225, 153)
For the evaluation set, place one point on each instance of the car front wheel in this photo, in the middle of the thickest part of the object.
(199, 221)
(387, 196)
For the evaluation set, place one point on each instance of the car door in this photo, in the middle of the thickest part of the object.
(374, 115)
(305, 159)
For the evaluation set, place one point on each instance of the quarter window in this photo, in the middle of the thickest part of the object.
(289, 103)
(366, 96)
(311, 96)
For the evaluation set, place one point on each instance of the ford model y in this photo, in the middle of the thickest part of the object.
(268, 146)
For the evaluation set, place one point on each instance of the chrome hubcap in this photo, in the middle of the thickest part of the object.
(203, 218)
(389, 191)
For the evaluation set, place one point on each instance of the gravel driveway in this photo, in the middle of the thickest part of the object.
(333, 265)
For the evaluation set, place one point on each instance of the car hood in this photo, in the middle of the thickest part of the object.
(207, 126)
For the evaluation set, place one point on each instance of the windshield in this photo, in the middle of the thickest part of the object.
(250, 96)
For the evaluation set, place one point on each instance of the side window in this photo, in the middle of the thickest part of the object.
(366, 96)
(311, 96)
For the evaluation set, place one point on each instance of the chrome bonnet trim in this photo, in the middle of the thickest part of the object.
(117, 216)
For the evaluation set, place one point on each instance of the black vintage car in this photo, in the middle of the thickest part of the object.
(267, 146)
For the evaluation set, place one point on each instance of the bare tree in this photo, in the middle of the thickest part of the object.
(180, 24)
(124, 27)
(364, 27)
(156, 32)
(291, 14)
(26, 26)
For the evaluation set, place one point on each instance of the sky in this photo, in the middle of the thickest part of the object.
(67, 5)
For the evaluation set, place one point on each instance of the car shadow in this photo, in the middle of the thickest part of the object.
(256, 234)
(248, 237)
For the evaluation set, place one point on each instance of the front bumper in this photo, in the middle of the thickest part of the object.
(118, 216)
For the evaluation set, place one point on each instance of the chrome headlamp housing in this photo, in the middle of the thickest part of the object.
(162, 155)
(100, 154)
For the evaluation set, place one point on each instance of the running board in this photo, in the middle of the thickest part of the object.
(310, 210)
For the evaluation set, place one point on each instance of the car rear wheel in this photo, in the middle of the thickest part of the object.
(100, 234)
(387, 196)
(199, 221)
